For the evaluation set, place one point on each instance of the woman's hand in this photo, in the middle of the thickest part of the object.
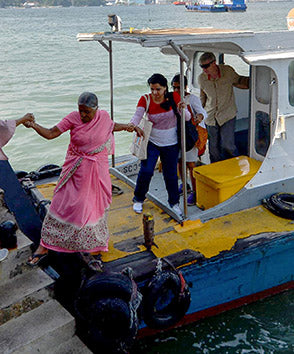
(26, 120)
(198, 118)
(139, 132)
(29, 124)
(130, 127)
(181, 105)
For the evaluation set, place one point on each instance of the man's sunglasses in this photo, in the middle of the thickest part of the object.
(205, 66)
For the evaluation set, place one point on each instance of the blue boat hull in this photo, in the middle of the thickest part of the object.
(205, 8)
(258, 267)
(217, 8)
(236, 8)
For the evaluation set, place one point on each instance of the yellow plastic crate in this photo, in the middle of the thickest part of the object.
(218, 181)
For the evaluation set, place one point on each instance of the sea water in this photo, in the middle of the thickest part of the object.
(44, 69)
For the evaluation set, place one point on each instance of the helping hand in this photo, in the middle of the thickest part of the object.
(130, 127)
(139, 132)
(26, 120)
(198, 118)
(181, 105)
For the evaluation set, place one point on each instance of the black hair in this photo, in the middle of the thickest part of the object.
(162, 81)
(177, 78)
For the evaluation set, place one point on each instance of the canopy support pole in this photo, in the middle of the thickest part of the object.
(109, 49)
(183, 58)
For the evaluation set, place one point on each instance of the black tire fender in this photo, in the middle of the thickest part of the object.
(281, 204)
(166, 299)
(21, 174)
(47, 167)
(112, 328)
(102, 286)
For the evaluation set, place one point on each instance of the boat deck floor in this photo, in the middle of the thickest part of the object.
(208, 239)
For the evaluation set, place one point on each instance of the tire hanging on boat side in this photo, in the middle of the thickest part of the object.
(107, 306)
(166, 299)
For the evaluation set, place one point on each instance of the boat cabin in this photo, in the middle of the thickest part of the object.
(265, 118)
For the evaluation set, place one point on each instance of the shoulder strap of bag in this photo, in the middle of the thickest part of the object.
(147, 98)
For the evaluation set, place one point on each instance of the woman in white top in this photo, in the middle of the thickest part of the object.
(198, 114)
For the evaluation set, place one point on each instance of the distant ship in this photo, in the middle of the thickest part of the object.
(217, 6)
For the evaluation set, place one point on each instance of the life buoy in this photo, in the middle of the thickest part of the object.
(166, 299)
(107, 306)
(281, 204)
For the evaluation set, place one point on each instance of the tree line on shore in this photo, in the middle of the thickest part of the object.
(65, 3)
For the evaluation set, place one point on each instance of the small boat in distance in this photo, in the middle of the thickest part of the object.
(179, 3)
(217, 6)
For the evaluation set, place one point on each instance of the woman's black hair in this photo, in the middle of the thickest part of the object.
(162, 81)
(157, 79)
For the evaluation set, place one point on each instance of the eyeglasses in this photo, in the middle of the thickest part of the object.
(206, 66)
(176, 87)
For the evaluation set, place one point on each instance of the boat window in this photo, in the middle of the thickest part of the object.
(291, 83)
(262, 82)
(237, 63)
(262, 132)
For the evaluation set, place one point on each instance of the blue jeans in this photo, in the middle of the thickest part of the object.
(169, 159)
(221, 141)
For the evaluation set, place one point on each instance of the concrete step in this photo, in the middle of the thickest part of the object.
(24, 292)
(73, 346)
(15, 263)
(38, 331)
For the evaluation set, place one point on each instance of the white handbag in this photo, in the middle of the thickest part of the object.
(139, 145)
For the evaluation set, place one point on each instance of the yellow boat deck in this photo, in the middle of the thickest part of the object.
(209, 238)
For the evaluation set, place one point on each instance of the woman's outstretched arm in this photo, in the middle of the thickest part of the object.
(46, 133)
(128, 127)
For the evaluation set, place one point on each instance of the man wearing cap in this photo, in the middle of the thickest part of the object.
(217, 97)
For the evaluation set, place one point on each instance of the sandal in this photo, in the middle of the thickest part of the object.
(116, 190)
(40, 258)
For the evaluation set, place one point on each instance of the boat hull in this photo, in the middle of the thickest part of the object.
(205, 8)
(236, 278)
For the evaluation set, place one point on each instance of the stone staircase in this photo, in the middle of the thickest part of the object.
(31, 321)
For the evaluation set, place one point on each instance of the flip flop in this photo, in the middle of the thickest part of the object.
(3, 254)
(116, 190)
(40, 259)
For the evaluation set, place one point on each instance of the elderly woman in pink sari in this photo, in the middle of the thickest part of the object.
(7, 129)
(77, 218)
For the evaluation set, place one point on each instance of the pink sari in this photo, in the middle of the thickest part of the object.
(77, 218)
(7, 129)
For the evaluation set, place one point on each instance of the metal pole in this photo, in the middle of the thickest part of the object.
(183, 139)
(111, 91)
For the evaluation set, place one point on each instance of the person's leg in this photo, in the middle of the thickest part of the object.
(191, 166)
(214, 142)
(146, 173)
(227, 134)
(169, 159)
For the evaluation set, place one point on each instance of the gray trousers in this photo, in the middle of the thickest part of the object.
(221, 141)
